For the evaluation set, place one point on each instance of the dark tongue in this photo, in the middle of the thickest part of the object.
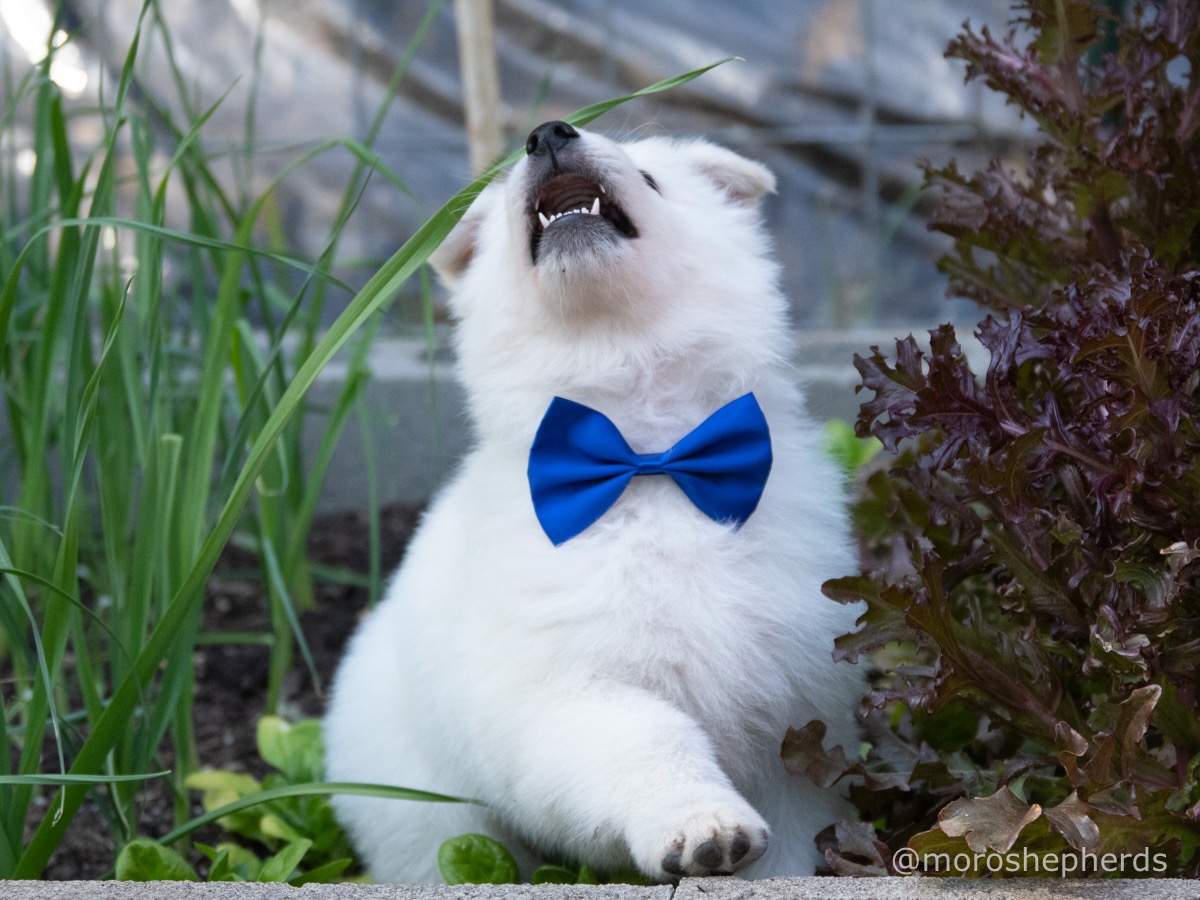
(564, 192)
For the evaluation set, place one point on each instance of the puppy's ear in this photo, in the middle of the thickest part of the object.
(455, 253)
(742, 180)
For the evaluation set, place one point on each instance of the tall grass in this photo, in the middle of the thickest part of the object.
(129, 407)
(147, 422)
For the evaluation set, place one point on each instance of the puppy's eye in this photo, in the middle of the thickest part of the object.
(650, 181)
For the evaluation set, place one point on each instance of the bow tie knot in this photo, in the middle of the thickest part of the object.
(580, 464)
(652, 463)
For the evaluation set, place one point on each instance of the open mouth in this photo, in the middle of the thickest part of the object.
(575, 201)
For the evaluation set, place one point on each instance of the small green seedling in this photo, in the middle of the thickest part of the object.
(296, 750)
(304, 842)
(144, 859)
(479, 859)
(476, 859)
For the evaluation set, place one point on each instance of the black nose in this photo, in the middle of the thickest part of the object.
(550, 137)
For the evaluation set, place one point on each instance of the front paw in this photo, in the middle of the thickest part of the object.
(709, 842)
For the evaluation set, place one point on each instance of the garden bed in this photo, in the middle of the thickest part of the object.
(231, 679)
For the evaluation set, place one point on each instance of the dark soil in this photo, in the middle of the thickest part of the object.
(231, 679)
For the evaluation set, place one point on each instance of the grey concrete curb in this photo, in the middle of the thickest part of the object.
(414, 419)
(415, 416)
(689, 889)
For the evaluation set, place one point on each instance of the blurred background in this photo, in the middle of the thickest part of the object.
(842, 98)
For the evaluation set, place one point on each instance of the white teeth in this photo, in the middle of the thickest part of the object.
(582, 211)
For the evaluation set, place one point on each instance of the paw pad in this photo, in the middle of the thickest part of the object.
(716, 850)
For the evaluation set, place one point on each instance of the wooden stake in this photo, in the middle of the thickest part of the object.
(481, 81)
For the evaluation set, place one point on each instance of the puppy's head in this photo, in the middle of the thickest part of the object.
(586, 230)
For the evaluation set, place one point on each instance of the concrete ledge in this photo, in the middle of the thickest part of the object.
(917, 888)
(413, 416)
(689, 889)
(418, 430)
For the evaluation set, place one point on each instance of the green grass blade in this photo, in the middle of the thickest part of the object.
(594, 111)
(182, 237)
(374, 531)
(386, 791)
(283, 597)
(79, 779)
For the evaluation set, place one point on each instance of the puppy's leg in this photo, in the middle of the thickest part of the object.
(612, 772)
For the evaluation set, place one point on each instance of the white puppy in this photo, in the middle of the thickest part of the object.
(619, 698)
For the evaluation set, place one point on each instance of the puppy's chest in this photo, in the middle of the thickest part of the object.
(673, 603)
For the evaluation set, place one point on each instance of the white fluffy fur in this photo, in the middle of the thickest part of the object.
(624, 695)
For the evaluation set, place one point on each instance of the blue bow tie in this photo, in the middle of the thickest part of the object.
(580, 464)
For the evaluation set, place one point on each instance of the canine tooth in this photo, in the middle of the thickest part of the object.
(596, 207)
(542, 218)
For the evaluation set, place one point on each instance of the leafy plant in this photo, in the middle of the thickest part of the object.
(143, 859)
(302, 837)
(296, 751)
(1034, 606)
(479, 859)
(476, 859)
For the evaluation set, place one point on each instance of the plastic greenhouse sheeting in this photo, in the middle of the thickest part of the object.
(840, 97)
